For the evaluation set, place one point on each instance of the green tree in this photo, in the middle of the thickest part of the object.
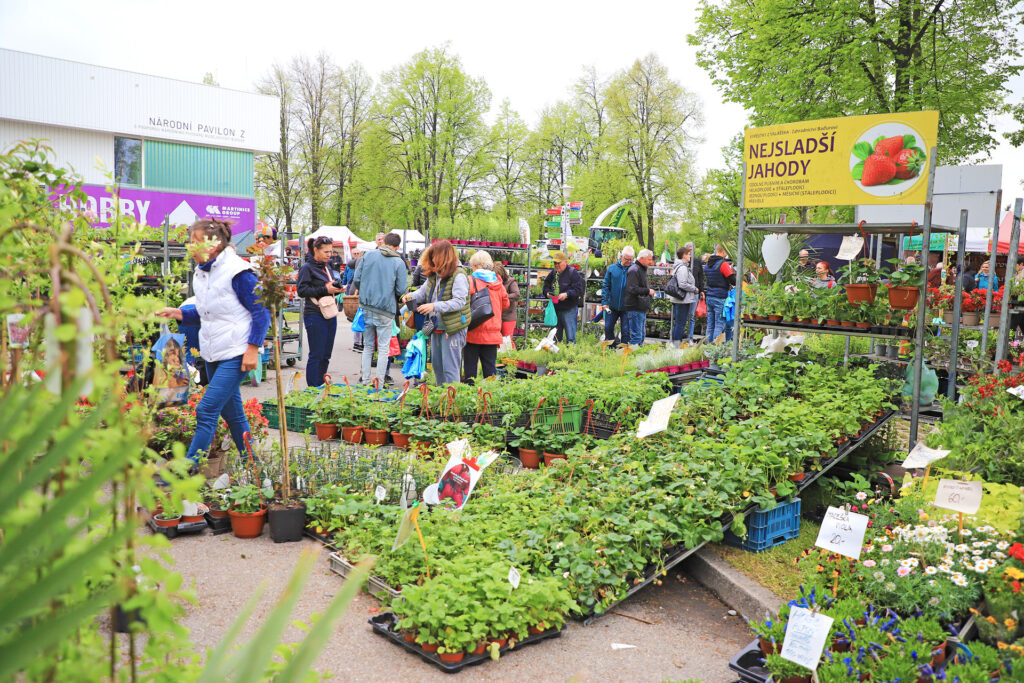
(349, 116)
(790, 61)
(507, 151)
(313, 80)
(653, 127)
(279, 177)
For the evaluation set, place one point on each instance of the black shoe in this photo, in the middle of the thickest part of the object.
(388, 380)
(357, 347)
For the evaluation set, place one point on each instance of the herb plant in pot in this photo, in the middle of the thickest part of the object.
(170, 515)
(400, 428)
(218, 501)
(555, 446)
(353, 422)
(248, 512)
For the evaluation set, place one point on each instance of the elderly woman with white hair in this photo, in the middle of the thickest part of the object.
(482, 341)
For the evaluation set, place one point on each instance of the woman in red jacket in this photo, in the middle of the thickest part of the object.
(482, 342)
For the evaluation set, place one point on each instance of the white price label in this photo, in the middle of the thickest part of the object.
(972, 343)
(513, 577)
(1017, 391)
(657, 420)
(806, 634)
(380, 493)
(851, 246)
(959, 496)
(922, 456)
(842, 532)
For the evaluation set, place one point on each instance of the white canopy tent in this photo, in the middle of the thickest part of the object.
(411, 240)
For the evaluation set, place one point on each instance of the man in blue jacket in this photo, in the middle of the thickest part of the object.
(613, 293)
(380, 278)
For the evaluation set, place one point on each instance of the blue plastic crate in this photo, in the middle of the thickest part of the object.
(768, 528)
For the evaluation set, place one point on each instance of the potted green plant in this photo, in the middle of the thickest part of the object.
(248, 511)
(376, 431)
(905, 284)
(170, 515)
(400, 427)
(526, 440)
(218, 501)
(785, 671)
(555, 445)
(325, 421)
(862, 281)
(353, 421)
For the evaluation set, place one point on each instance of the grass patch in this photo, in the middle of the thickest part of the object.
(774, 567)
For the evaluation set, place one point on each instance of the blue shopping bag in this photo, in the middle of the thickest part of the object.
(357, 322)
(415, 357)
(550, 316)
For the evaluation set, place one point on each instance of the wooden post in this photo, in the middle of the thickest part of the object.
(283, 422)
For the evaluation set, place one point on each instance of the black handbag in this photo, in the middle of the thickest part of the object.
(480, 308)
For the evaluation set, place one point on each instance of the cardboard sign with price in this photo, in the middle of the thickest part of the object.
(960, 496)
(842, 532)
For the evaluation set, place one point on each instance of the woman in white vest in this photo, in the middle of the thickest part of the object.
(232, 326)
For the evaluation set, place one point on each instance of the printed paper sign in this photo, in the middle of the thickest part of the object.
(657, 420)
(461, 474)
(842, 532)
(806, 634)
(513, 577)
(922, 456)
(851, 246)
(960, 496)
(841, 161)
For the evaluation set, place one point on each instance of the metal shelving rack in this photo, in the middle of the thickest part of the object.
(513, 268)
(293, 306)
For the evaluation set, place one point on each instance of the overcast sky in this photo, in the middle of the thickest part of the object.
(527, 51)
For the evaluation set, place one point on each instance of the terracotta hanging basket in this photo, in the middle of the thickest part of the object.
(903, 298)
(861, 293)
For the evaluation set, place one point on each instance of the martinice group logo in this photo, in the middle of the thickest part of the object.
(888, 159)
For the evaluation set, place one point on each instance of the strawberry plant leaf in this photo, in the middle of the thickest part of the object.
(909, 141)
(897, 181)
(857, 171)
(862, 150)
(920, 153)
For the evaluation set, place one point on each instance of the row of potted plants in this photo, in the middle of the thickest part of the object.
(800, 303)
(480, 243)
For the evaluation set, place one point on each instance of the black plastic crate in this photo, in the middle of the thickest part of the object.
(749, 664)
(384, 625)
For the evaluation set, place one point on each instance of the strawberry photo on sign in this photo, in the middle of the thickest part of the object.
(887, 160)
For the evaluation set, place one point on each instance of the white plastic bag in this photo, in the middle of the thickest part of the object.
(506, 345)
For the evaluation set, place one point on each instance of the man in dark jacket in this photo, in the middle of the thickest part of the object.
(720, 278)
(638, 296)
(613, 294)
(564, 285)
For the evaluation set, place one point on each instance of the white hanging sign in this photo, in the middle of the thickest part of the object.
(850, 248)
(806, 633)
(959, 496)
(775, 250)
(842, 532)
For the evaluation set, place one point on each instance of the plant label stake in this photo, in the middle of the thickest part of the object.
(960, 496)
(380, 493)
(625, 354)
(513, 577)
(842, 532)
(806, 634)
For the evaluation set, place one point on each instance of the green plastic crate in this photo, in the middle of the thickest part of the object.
(572, 417)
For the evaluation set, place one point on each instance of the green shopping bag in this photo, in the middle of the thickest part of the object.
(550, 317)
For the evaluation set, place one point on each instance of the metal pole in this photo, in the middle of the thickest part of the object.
(1008, 274)
(738, 308)
(846, 352)
(993, 246)
(958, 295)
(915, 408)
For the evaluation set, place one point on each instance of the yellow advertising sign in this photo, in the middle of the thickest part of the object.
(876, 159)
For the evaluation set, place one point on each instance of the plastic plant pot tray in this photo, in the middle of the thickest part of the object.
(384, 625)
(172, 532)
(342, 567)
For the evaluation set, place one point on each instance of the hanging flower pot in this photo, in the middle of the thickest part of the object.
(971, 318)
(861, 293)
(352, 434)
(376, 437)
(903, 298)
(247, 524)
(529, 457)
(326, 431)
(400, 440)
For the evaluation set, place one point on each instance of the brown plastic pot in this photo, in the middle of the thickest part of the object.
(903, 298)
(846, 323)
(352, 434)
(400, 440)
(861, 293)
(832, 323)
(529, 457)
(326, 431)
(796, 476)
(376, 437)
(191, 519)
(551, 457)
(219, 514)
(430, 647)
(774, 318)
(409, 637)
(247, 524)
(159, 520)
(452, 657)
(863, 326)
(480, 649)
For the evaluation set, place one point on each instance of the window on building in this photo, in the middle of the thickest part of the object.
(127, 161)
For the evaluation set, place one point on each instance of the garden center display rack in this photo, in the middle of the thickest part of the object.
(514, 269)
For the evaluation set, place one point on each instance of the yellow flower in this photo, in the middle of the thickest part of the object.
(1009, 623)
(923, 517)
(1001, 645)
(1014, 573)
(991, 620)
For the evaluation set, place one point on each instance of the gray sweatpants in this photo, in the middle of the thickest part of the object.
(446, 356)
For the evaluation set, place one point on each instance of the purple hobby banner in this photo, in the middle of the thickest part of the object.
(149, 207)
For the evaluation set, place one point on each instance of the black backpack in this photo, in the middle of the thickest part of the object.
(672, 287)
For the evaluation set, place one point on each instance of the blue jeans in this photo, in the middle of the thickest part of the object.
(222, 399)
(566, 325)
(716, 323)
(610, 318)
(637, 327)
(320, 337)
(377, 335)
(693, 317)
(680, 317)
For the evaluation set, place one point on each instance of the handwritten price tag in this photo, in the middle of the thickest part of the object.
(380, 493)
(922, 456)
(513, 577)
(851, 246)
(657, 420)
(842, 532)
(806, 634)
(960, 496)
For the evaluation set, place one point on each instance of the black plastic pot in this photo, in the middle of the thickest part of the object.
(286, 524)
(123, 620)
